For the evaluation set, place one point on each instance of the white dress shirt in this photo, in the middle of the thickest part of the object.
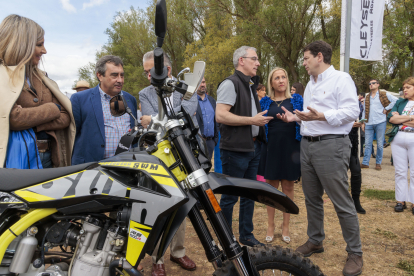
(335, 95)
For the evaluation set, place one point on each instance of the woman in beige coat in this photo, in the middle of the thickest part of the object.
(30, 99)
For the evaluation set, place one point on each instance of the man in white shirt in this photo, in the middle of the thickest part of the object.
(332, 108)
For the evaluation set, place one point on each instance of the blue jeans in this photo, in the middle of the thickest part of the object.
(46, 158)
(379, 130)
(242, 165)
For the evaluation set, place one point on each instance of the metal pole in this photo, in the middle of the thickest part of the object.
(346, 13)
(348, 35)
(343, 35)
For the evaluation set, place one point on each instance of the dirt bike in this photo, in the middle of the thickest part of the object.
(101, 218)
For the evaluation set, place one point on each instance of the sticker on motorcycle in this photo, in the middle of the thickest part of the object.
(137, 235)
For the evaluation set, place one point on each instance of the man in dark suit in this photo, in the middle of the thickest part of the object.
(206, 118)
(97, 131)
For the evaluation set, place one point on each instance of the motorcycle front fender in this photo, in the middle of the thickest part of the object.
(252, 189)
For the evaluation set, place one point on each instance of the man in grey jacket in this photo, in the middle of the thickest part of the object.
(149, 106)
(149, 98)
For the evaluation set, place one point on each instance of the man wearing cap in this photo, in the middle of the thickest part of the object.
(81, 85)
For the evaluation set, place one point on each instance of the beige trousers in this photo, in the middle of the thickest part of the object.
(177, 248)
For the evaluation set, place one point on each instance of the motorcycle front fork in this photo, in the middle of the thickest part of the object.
(231, 247)
(214, 254)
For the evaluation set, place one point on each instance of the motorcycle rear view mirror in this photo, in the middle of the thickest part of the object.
(160, 21)
(194, 79)
(117, 106)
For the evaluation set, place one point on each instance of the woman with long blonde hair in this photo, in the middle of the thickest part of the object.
(280, 157)
(30, 99)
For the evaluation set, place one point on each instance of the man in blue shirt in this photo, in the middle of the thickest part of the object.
(206, 119)
(377, 104)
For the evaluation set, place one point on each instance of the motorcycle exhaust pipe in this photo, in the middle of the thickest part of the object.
(24, 254)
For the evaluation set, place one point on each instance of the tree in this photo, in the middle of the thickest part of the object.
(87, 73)
(210, 30)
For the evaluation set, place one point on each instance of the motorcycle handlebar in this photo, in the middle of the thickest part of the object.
(159, 61)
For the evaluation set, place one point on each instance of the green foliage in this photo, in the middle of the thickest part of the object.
(210, 30)
(406, 266)
(87, 73)
(385, 233)
(379, 194)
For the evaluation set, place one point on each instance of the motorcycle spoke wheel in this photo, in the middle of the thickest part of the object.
(277, 261)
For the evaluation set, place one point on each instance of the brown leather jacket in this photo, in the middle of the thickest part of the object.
(39, 111)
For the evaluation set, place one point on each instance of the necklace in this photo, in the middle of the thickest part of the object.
(279, 104)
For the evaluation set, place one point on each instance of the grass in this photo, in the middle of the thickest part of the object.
(387, 234)
(406, 266)
(379, 194)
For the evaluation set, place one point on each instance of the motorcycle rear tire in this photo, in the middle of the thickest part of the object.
(269, 258)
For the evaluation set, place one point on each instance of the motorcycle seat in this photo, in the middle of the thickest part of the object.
(15, 179)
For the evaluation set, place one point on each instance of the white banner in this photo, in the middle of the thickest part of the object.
(366, 29)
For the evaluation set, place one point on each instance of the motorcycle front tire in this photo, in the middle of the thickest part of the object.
(268, 259)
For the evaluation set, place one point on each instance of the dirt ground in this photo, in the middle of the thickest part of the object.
(387, 237)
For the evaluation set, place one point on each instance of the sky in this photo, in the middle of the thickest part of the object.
(74, 31)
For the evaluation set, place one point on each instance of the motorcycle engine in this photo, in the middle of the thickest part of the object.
(94, 255)
(98, 241)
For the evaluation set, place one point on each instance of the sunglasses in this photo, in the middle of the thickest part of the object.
(372, 83)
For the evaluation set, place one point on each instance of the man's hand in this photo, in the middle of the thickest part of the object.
(260, 120)
(384, 111)
(287, 117)
(145, 120)
(312, 115)
(357, 124)
(363, 127)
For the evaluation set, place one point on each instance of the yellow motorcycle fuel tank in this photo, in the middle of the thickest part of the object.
(165, 154)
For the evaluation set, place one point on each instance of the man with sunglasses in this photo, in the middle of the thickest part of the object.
(377, 105)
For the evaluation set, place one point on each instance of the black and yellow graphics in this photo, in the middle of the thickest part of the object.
(156, 171)
(138, 234)
(83, 183)
(95, 182)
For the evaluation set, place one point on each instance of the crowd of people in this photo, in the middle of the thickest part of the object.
(273, 132)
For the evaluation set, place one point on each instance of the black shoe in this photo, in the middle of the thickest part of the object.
(412, 210)
(399, 207)
(361, 155)
(250, 241)
(386, 145)
(373, 155)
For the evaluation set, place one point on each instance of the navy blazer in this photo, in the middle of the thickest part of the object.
(90, 130)
(199, 116)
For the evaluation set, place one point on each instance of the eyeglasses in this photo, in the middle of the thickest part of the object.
(145, 73)
(372, 83)
(253, 58)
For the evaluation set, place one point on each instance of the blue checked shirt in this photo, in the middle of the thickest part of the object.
(115, 127)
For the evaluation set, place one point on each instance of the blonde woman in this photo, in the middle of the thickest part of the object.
(30, 98)
(280, 157)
